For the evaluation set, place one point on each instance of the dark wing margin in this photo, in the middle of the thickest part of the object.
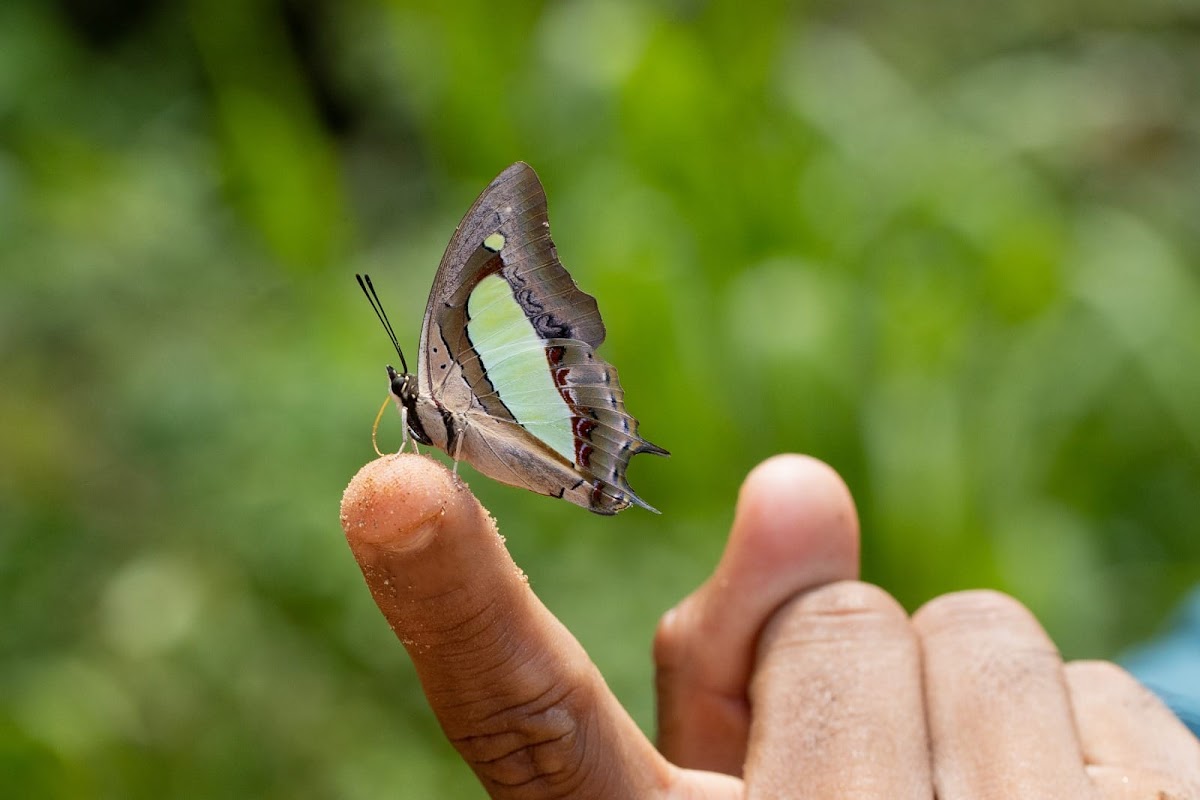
(513, 205)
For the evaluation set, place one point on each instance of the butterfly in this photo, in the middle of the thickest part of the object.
(508, 378)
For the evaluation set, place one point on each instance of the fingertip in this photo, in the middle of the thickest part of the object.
(395, 502)
(791, 477)
(421, 539)
(792, 504)
(785, 463)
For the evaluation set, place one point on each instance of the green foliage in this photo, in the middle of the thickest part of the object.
(950, 250)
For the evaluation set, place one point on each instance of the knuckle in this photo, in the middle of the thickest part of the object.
(1099, 674)
(669, 639)
(990, 638)
(973, 611)
(1110, 682)
(850, 598)
(838, 612)
(537, 745)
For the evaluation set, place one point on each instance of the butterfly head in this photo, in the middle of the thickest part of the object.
(403, 389)
(402, 386)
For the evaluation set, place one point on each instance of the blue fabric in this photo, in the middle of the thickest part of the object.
(1170, 665)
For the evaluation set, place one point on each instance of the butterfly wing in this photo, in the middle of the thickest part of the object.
(508, 362)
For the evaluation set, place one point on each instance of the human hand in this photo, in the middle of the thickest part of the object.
(779, 677)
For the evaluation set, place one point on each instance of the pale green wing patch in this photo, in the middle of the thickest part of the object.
(514, 359)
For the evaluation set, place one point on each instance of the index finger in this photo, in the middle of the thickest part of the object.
(513, 690)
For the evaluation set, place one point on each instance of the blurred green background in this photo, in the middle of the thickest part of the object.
(951, 249)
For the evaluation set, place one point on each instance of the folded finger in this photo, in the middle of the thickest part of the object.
(837, 702)
(999, 715)
(1131, 741)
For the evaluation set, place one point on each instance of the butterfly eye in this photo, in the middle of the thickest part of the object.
(397, 386)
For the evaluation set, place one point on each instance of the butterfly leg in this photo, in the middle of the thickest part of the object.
(404, 429)
(407, 436)
(458, 443)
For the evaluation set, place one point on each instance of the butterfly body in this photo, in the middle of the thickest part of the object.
(508, 378)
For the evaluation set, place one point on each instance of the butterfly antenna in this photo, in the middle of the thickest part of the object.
(364, 283)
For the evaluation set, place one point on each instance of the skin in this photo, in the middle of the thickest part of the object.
(781, 676)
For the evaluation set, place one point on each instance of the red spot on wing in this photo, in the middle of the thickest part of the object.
(583, 427)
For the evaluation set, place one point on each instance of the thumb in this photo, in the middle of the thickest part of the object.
(513, 690)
